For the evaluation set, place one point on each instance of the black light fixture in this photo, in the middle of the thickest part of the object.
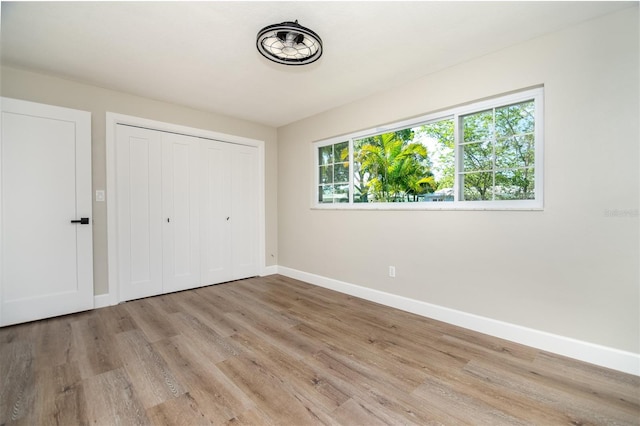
(289, 43)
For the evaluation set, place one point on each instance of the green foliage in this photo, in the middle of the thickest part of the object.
(498, 155)
(391, 168)
(444, 156)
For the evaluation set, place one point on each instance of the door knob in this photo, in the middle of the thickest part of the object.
(82, 221)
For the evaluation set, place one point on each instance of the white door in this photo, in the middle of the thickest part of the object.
(139, 211)
(46, 261)
(244, 211)
(229, 211)
(216, 212)
(181, 236)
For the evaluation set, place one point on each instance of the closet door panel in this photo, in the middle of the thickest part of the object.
(139, 210)
(244, 211)
(216, 212)
(181, 242)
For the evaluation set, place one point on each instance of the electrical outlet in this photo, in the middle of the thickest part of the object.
(392, 271)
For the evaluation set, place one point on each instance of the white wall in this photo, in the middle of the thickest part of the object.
(572, 269)
(47, 89)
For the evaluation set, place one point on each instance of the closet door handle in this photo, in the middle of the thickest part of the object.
(82, 221)
(228, 217)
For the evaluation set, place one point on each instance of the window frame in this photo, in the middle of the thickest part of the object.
(456, 113)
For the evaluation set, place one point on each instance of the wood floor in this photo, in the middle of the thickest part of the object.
(277, 351)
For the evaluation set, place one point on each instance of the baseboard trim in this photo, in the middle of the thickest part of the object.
(101, 301)
(104, 300)
(626, 362)
(269, 270)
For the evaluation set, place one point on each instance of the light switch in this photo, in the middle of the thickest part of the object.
(100, 195)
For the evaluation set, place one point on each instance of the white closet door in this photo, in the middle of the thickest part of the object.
(229, 211)
(139, 211)
(216, 212)
(181, 237)
(187, 211)
(45, 179)
(244, 211)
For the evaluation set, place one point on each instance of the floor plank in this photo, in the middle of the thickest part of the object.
(17, 393)
(277, 351)
(60, 396)
(152, 379)
(215, 394)
(111, 399)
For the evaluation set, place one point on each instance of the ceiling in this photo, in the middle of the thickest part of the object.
(203, 54)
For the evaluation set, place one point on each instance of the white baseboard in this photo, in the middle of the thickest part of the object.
(604, 356)
(269, 270)
(104, 300)
(101, 301)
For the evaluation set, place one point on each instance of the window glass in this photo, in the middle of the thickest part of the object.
(501, 165)
(481, 155)
(333, 173)
(405, 166)
(478, 126)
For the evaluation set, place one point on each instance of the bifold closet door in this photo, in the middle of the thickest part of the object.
(139, 211)
(244, 211)
(229, 207)
(216, 213)
(158, 217)
(180, 206)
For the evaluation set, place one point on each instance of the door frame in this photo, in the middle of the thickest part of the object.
(114, 119)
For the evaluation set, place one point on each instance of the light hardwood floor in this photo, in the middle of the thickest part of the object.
(279, 351)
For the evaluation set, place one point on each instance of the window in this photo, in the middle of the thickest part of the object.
(487, 155)
(498, 153)
(333, 173)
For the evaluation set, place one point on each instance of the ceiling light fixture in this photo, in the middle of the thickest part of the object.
(289, 43)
